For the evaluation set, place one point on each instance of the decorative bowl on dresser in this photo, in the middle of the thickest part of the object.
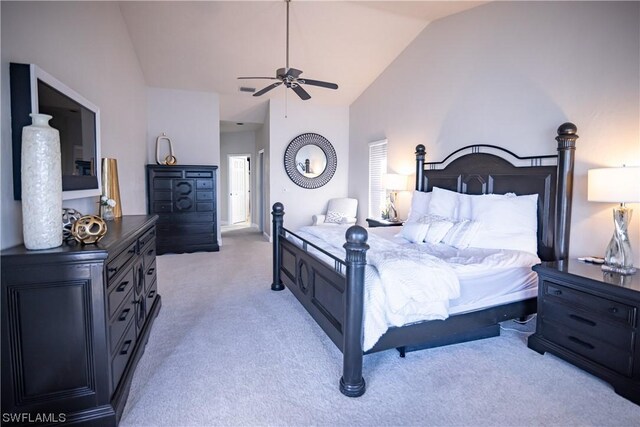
(75, 322)
(589, 318)
(184, 198)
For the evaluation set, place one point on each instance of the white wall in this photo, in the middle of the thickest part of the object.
(192, 121)
(86, 46)
(301, 204)
(262, 143)
(509, 73)
(234, 143)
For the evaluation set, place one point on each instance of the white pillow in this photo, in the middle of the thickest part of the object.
(450, 204)
(461, 234)
(415, 232)
(438, 227)
(444, 203)
(419, 206)
(506, 222)
(334, 217)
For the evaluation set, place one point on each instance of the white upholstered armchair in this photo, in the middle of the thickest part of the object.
(341, 210)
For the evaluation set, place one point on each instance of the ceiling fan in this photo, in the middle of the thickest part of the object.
(290, 77)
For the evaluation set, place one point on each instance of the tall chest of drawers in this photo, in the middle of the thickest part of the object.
(590, 318)
(184, 198)
(75, 322)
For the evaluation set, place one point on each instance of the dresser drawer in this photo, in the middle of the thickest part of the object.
(120, 262)
(591, 348)
(204, 184)
(179, 229)
(150, 275)
(120, 322)
(122, 354)
(121, 287)
(149, 253)
(186, 217)
(162, 184)
(147, 237)
(162, 207)
(151, 296)
(588, 324)
(611, 309)
(183, 187)
(204, 195)
(199, 174)
(205, 207)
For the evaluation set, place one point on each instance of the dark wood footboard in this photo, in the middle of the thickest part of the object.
(333, 296)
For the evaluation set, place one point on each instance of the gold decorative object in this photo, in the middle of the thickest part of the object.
(89, 229)
(110, 185)
(169, 159)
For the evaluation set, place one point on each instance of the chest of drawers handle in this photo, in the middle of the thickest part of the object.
(125, 347)
(112, 269)
(122, 286)
(151, 271)
(613, 310)
(152, 294)
(557, 292)
(582, 320)
(582, 343)
(124, 315)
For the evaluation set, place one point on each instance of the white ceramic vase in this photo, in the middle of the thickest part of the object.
(41, 184)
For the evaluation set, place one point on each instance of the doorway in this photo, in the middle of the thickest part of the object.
(239, 189)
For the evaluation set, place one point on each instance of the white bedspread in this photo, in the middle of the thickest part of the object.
(402, 284)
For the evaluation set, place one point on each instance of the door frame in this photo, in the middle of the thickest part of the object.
(230, 186)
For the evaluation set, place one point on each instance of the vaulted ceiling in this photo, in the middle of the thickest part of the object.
(206, 45)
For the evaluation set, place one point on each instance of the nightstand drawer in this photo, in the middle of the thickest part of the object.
(590, 348)
(610, 309)
(588, 324)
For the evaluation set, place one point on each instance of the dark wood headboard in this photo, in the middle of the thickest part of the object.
(488, 169)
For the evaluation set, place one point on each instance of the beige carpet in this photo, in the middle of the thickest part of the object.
(226, 350)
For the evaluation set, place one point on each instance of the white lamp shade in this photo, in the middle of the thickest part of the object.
(615, 185)
(395, 182)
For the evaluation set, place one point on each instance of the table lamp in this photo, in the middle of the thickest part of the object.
(394, 183)
(616, 185)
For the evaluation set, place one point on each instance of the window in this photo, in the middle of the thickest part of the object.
(377, 168)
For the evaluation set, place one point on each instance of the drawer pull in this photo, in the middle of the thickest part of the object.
(613, 310)
(125, 347)
(582, 320)
(582, 343)
(151, 251)
(151, 271)
(132, 250)
(112, 269)
(152, 293)
(124, 314)
(557, 292)
(122, 286)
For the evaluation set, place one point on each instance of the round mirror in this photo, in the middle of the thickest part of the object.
(310, 160)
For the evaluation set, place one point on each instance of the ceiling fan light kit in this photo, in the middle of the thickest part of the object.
(290, 77)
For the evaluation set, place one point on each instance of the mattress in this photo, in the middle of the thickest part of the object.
(423, 289)
(488, 277)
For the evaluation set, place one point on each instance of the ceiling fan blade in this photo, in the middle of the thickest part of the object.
(251, 78)
(267, 89)
(303, 94)
(318, 83)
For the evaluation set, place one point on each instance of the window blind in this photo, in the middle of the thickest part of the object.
(377, 168)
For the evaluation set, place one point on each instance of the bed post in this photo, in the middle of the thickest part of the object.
(352, 384)
(420, 154)
(276, 231)
(566, 155)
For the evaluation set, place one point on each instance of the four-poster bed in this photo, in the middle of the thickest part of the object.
(333, 294)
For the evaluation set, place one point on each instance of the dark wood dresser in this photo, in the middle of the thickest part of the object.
(75, 322)
(590, 318)
(184, 198)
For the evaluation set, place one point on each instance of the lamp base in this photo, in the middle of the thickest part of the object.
(620, 270)
(618, 257)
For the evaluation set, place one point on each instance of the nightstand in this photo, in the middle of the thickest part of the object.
(374, 222)
(590, 319)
